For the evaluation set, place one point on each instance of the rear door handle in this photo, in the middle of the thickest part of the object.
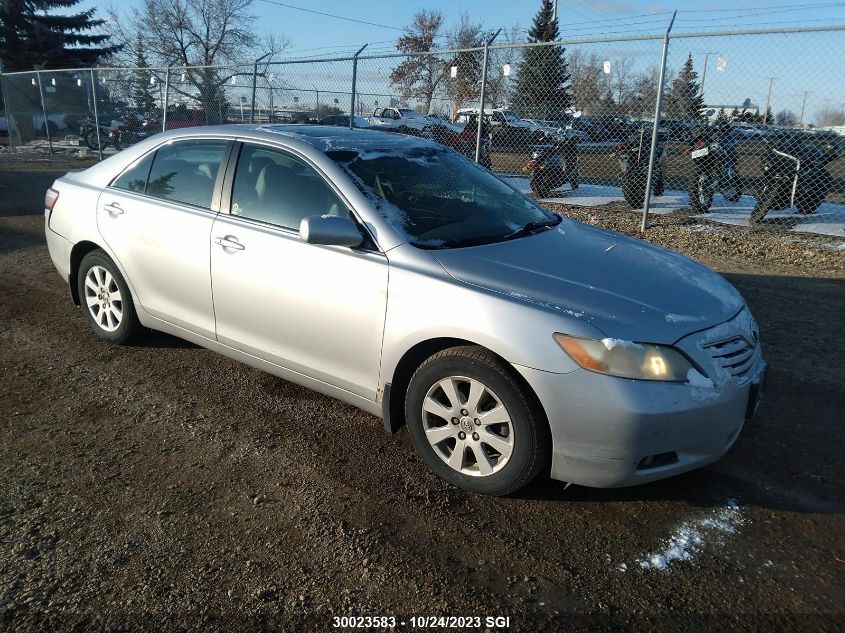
(229, 242)
(113, 209)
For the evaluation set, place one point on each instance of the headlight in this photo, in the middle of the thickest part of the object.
(641, 361)
(535, 155)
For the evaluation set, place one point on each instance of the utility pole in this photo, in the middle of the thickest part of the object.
(768, 100)
(803, 104)
(554, 10)
(704, 70)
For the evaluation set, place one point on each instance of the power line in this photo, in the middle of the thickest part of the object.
(332, 15)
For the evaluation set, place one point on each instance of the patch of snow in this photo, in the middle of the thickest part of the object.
(545, 304)
(622, 567)
(689, 538)
(696, 379)
(683, 318)
(610, 343)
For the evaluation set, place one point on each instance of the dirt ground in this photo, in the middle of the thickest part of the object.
(164, 487)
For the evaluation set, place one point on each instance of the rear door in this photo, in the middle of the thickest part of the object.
(318, 310)
(156, 218)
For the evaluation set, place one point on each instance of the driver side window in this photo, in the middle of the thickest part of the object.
(277, 188)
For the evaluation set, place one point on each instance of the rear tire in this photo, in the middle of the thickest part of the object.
(700, 200)
(539, 187)
(633, 190)
(501, 435)
(105, 299)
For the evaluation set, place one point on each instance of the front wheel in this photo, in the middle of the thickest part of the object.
(474, 424)
(732, 190)
(700, 193)
(105, 299)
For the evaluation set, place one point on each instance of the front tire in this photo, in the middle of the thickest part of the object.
(473, 424)
(105, 299)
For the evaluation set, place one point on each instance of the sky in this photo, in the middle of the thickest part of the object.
(738, 67)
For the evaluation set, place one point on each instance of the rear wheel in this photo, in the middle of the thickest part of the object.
(539, 186)
(474, 424)
(700, 193)
(105, 299)
(91, 140)
(633, 189)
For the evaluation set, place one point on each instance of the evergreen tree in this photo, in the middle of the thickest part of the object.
(543, 83)
(685, 100)
(142, 95)
(33, 35)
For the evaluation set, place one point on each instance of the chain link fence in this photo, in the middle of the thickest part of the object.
(748, 128)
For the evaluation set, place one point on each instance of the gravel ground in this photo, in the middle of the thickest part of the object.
(164, 487)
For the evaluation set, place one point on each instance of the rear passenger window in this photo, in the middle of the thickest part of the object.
(186, 171)
(135, 178)
(277, 188)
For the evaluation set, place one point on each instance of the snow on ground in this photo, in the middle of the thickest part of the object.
(691, 537)
(828, 220)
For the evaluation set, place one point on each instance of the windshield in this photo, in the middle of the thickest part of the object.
(510, 116)
(437, 198)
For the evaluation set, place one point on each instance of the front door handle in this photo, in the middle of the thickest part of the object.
(113, 209)
(229, 242)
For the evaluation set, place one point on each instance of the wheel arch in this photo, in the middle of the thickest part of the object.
(393, 404)
(79, 250)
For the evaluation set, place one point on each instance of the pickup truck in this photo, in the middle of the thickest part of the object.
(402, 120)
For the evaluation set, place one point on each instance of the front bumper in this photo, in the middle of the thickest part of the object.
(612, 432)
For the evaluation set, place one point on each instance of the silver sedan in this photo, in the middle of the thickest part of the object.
(398, 276)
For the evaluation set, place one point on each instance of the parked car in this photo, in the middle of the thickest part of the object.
(506, 128)
(396, 275)
(342, 120)
(402, 120)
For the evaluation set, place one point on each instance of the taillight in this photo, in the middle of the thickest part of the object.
(531, 164)
(621, 147)
(700, 143)
(50, 199)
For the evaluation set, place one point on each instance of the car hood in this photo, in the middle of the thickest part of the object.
(625, 287)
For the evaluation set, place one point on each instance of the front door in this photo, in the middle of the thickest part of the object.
(317, 310)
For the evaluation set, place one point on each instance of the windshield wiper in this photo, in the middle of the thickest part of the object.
(533, 227)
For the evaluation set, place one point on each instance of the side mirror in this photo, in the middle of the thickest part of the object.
(330, 230)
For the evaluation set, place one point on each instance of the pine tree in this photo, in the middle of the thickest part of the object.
(685, 100)
(542, 87)
(32, 35)
(141, 91)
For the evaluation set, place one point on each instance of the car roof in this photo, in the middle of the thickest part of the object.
(321, 137)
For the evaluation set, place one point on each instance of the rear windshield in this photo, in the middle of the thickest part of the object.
(437, 198)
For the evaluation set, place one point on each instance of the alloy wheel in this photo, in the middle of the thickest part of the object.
(102, 295)
(468, 426)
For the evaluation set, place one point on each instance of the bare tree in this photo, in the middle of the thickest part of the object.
(466, 83)
(420, 76)
(196, 35)
(498, 84)
(830, 116)
(587, 77)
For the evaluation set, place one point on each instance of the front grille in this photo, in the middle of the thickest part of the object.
(736, 355)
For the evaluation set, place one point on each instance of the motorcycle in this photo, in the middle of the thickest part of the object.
(794, 175)
(632, 155)
(108, 135)
(134, 130)
(714, 156)
(554, 164)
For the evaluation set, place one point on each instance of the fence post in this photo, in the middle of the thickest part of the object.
(166, 98)
(354, 84)
(96, 114)
(44, 110)
(6, 108)
(657, 106)
(254, 80)
(481, 97)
